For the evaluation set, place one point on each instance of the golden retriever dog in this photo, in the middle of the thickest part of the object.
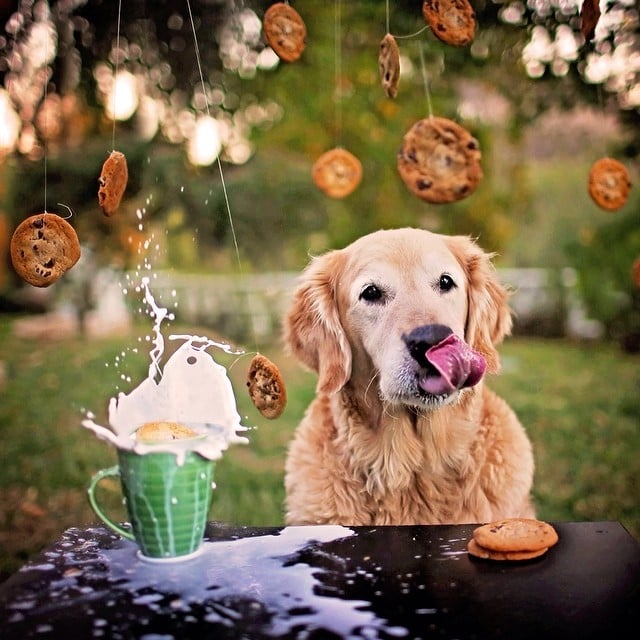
(401, 327)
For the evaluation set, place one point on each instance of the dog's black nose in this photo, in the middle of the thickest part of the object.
(424, 337)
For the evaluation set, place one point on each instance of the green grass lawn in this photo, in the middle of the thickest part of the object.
(579, 403)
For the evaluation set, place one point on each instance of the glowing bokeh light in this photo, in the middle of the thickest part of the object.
(11, 124)
(204, 144)
(122, 100)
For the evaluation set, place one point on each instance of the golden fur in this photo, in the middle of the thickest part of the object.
(364, 454)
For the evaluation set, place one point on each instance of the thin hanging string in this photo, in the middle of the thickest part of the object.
(387, 12)
(45, 148)
(410, 35)
(115, 74)
(388, 27)
(222, 180)
(601, 104)
(425, 80)
(337, 44)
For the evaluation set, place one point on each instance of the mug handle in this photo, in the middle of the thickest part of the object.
(106, 473)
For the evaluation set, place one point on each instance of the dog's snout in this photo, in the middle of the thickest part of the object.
(424, 337)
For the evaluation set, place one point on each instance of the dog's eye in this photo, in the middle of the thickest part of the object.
(446, 283)
(372, 293)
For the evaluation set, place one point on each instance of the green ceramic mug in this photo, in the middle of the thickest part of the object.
(167, 500)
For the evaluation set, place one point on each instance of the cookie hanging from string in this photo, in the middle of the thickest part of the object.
(439, 161)
(451, 21)
(112, 182)
(337, 172)
(589, 17)
(389, 65)
(266, 387)
(43, 248)
(609, 184)
(284, 31)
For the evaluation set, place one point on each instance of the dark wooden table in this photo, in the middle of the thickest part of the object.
(312, 583)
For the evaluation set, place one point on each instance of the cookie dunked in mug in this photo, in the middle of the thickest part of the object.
(154, 432)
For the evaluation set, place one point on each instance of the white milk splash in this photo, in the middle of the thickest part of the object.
(191, 389)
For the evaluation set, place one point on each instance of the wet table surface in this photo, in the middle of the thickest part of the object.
(328, 582)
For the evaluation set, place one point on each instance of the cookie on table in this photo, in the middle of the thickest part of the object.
(452, 21)
(516, 534)
(609, 183)
(515, 556)
(266, 387)
(337, 172)
(389, 63)
(154, 432)
(284, 31)
(112, 182)
(439, 161)
(44, 247)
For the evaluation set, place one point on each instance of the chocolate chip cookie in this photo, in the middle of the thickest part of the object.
(439, 160)
(43, 248)
(284, 31)
(337, 172)
(112, 182)
(609, 183)
(452, 21)
(389, 64)
(266, 387)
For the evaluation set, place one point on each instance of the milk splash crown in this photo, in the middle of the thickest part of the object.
(191, 389)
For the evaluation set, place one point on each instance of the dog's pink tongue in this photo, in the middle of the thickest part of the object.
(458, 365)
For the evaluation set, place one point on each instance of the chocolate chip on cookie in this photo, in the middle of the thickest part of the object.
(337, 172)
(43, 248)
(389, 63)
(609, 183)
(439, 161)
(266, 387)
(112, 182)
(452, 21)
(284, 31)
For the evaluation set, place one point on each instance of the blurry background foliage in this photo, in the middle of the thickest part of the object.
(528, 65)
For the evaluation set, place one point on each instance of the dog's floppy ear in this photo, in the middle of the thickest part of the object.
(313, 330)
(489, 317)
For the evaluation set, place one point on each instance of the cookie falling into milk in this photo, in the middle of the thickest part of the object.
(163, 431)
